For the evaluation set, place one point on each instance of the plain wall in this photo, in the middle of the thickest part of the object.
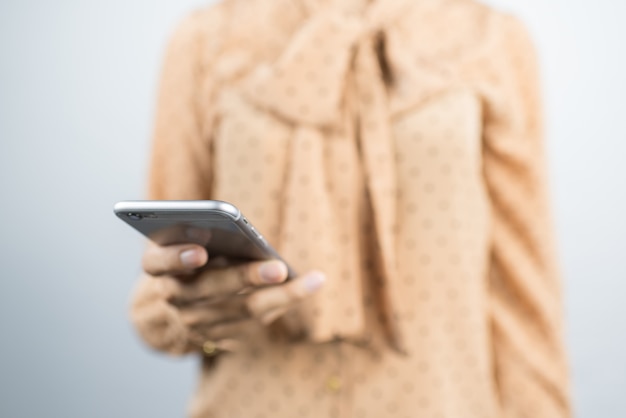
(77, 87)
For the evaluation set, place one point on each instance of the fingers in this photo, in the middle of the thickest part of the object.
(203, 303)
(222, 325)
(172, 259)
(265, 272)
(270, 303)
(230, 330)
(202, 315)
(223, 337)
(272, 315)
(215, 284)
(213, 305)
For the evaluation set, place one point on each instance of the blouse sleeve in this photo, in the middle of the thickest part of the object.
(180, 166)
(525, 294)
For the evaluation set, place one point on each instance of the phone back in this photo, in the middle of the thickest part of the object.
(218, 226)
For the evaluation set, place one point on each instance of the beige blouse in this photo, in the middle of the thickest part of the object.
(395, 145)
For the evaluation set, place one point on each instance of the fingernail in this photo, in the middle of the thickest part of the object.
(190, 258)
(273, 272)
(313, 281)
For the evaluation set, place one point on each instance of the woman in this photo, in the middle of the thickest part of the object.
(392, 152)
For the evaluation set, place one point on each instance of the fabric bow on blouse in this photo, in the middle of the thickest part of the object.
(332, 83)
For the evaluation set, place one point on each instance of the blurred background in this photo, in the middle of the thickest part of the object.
(77, 90)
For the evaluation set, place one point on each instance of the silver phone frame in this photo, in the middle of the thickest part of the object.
(124, 208)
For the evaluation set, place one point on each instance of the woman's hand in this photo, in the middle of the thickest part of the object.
(217, 305)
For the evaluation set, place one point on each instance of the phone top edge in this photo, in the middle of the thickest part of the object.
(177, 205)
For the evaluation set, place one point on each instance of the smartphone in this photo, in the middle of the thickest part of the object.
(218, 226)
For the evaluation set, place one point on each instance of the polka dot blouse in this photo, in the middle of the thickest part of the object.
(395, 145)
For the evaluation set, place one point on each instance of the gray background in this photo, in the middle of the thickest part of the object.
(77, 86)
